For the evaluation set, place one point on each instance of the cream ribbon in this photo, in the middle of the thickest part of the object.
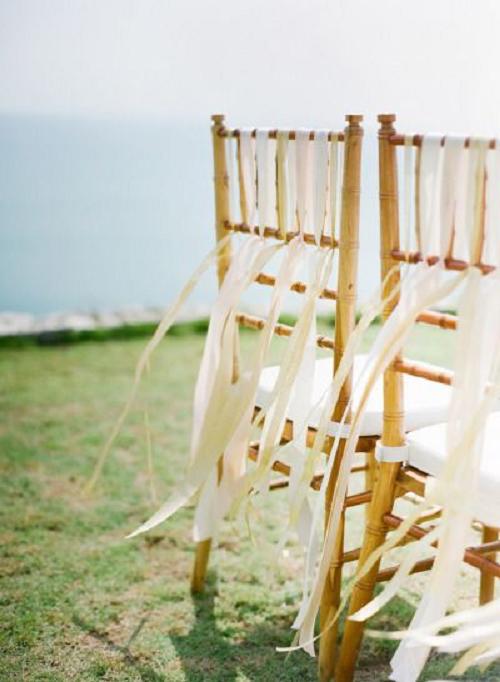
(235, 282)
(320, 182)
(408, 166)
(285, 214)
(237, 485)
(247, 171)
(303, 174)
(491, 250)
(452, 192)
(224, 403)
(456, 488)
(430, 185)
(333, 184)
(169, 318)
(479, 317)
(231, 166)
(265, 179)
(475, 193)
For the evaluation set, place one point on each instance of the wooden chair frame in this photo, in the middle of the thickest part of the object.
(345, 300)
(393, 479)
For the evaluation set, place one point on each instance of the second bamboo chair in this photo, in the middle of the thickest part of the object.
(427, 449)
(350, 142)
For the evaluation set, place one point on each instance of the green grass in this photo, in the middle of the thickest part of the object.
(81, 603)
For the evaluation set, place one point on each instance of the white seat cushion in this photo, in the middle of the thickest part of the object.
(427, 453)
(426, 402)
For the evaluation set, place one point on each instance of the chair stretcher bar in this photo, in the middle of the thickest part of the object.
(258, 323)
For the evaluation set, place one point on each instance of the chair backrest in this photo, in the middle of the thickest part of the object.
(451, 252)
(272, 195)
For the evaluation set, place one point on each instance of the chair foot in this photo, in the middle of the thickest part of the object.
(374, 536)
(349, 650)
(330, 603)
(200, 566)
(328, 640)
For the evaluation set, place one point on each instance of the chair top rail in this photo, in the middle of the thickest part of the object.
(399, 140)
(273, 133)
(413, 257)
(274, 233)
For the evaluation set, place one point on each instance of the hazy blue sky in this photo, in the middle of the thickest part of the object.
(435, 62)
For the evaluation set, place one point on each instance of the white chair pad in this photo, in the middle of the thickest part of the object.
(427, 453)
(426, 402)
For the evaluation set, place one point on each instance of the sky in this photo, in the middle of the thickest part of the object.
(262, 62)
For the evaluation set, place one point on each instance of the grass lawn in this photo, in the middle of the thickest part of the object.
(81, 603)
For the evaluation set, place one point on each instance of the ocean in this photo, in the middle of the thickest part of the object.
(98, 215)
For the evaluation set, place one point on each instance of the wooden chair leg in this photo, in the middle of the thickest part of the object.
(487, 581)
(203, 550)
(200, 566)
(330, 598)
(375, 533)
(329, 605)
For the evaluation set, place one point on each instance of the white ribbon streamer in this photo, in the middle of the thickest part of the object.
(247, 169)
(283, 182)
(265, 179)
(333, 184)
(491, 249)
(303, 173)
(430, 186)
(231, 159)
(408, 167)
(320, 182)
(224, 406)
(452, 191)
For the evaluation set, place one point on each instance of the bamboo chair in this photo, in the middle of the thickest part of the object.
(427, 445)
(344, 298)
